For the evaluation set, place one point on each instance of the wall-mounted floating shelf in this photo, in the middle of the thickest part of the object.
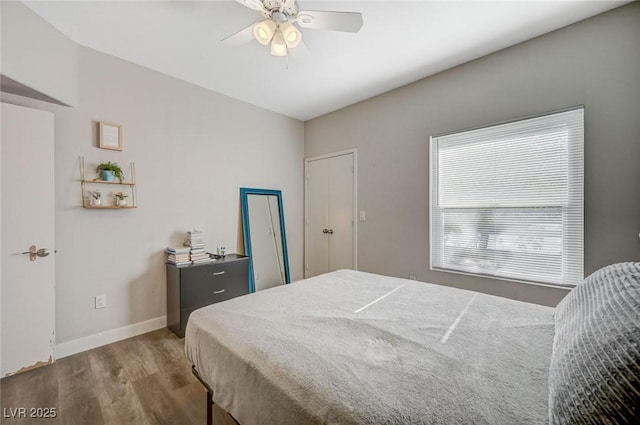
(108, 207)
(129, 183)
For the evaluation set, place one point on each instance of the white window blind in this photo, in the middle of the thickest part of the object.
(507, 200)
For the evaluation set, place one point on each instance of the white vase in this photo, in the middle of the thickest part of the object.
(96, 202)
(121, 202)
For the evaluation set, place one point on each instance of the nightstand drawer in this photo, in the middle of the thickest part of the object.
(205, 293)
(213, 283)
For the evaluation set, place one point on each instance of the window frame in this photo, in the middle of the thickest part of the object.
(575, 184)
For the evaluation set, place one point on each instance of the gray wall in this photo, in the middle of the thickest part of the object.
(193, 150)
(595, 62)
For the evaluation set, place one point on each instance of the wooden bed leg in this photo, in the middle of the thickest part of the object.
(209, 408)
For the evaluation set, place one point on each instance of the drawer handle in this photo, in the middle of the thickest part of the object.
(218, 292)
(218, 273)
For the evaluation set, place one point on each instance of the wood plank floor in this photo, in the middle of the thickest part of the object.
(144, 380)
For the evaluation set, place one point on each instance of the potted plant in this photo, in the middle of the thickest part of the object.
(96, 197)
(121, 200)
(109, 171)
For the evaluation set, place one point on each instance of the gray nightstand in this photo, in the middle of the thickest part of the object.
(194, 286)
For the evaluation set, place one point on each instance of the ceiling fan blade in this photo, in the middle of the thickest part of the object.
(241, 37)
(252, 4)
(334, 21)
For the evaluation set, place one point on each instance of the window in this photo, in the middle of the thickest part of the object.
(507, 200)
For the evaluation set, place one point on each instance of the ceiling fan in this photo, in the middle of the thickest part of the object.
(279, 26)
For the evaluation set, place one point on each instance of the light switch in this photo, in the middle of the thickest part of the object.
(363, 216)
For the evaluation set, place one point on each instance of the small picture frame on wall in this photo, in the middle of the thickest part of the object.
(109, 136)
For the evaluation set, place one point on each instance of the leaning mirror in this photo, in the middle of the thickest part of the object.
(265, 241)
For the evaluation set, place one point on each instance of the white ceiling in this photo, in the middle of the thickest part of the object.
(400, 42)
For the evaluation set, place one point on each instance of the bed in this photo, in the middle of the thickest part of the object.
(351, 347)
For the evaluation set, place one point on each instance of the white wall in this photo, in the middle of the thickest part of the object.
(595, 62)
(193, 150)
(31, 45)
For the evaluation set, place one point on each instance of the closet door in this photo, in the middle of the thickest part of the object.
(317, 220)
(330, 227)
(340, 209)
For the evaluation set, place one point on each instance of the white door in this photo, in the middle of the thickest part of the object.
(28, 287)
(330, 208)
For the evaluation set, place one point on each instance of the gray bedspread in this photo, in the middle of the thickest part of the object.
(324, 351)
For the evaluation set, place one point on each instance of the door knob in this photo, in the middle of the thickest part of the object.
(329, 231)
(42, 252)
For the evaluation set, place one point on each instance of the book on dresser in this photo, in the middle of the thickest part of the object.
(194, 286)
(178, 255)
(195, 245)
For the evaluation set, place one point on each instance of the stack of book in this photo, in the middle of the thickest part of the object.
(179, 255)
(199, 256)
(195, 242)
(195, 239)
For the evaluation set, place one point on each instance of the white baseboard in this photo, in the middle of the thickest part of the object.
(79, 345)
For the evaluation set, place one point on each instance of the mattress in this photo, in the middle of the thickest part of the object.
(351, 347)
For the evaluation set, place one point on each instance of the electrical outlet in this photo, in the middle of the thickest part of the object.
(101, 301)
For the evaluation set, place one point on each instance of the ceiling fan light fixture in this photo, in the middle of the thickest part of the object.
(292, 36)
(263, 31)
(283, 21)
(278, 46)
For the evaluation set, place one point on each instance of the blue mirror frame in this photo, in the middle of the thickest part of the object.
(244, 193)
